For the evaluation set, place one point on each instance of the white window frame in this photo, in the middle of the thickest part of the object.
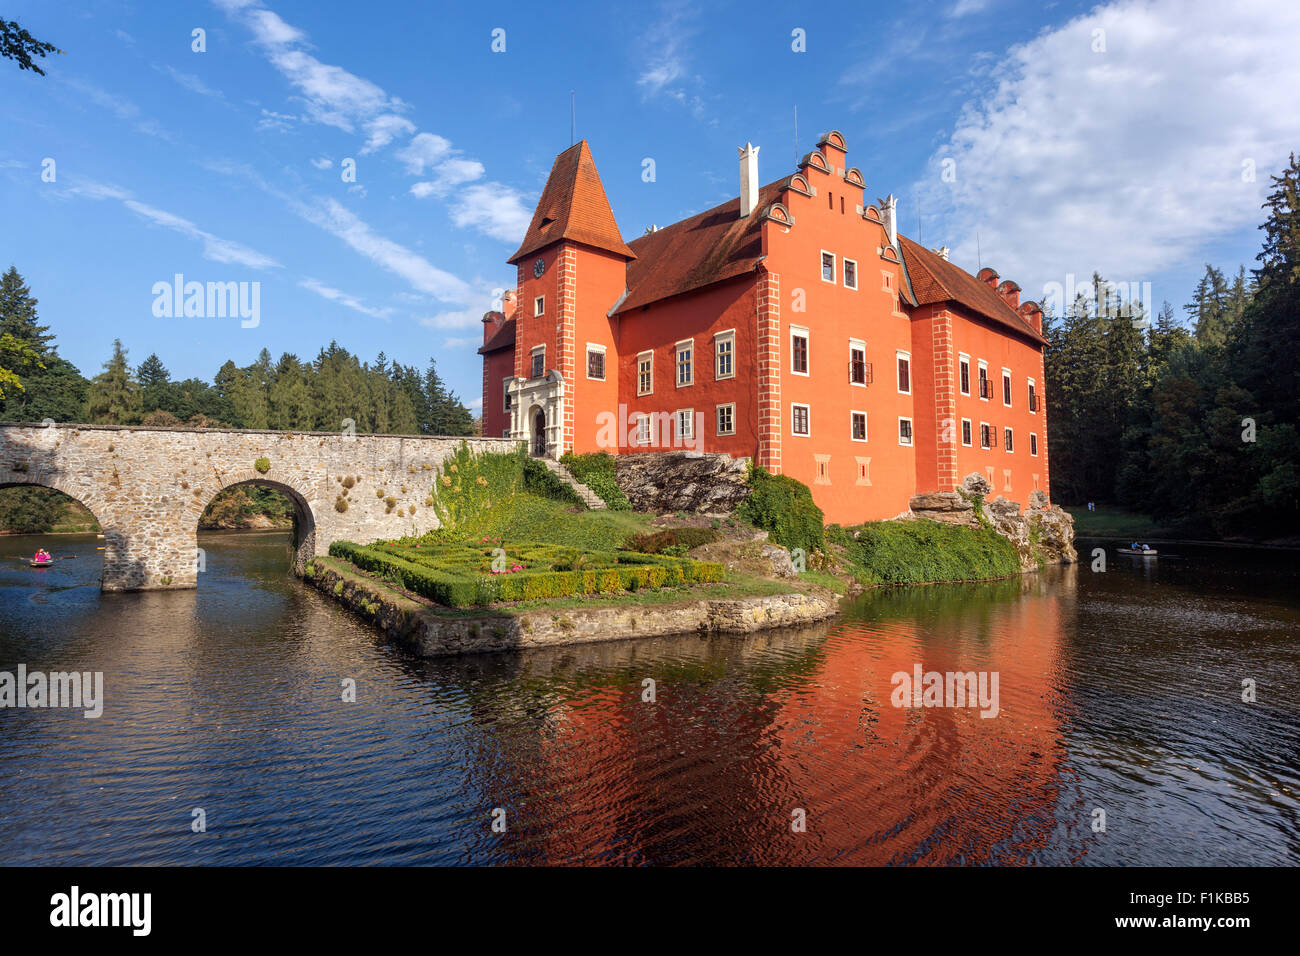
(644, 356)
(800, 331)
(844, 270)
(539, 306)
(731, 407)
(596, 347)
(911, 432)
(807, 408)
(1007, 387)
(989, 446)
(685, 345)
(505, 392)
(983, 366)
(1008, 440)
(643, 438)
(535, 351)
(861, 346)
(729, 336)
(967, 443)
(1030, 395)
(821, 266)
(1033, 444)
(865, 427)
(900, 354)
(689, 433)
(963, 359)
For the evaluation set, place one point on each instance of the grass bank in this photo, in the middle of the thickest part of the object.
(922, 552)
(1111, 522)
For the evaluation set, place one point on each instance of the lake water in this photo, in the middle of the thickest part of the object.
(1119, 692)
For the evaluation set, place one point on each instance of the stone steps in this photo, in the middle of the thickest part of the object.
(589, 497)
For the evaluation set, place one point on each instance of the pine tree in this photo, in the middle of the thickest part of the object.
(18, 313)
(114, 394)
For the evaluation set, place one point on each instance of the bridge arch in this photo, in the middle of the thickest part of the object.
(304, 516)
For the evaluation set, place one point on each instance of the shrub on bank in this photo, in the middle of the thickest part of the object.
(924, 551)
(541, 481)
(597, 472)
(784, 508)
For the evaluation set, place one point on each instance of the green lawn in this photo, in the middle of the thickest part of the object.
(1111, 522)
(525, 517)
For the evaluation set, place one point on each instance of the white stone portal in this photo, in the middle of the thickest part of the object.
(537, 408)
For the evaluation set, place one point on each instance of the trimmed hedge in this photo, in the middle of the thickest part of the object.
(597, 471)
(452, 576)
(784, 508)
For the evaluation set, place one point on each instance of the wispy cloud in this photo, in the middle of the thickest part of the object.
(494, 209)
(666, 71)
(1085, 154)
(342, 298)
(121, 107)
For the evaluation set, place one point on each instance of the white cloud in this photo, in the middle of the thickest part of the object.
(192, 83)
(493, 209)
(276, 121)
(331, 216)
(424, 149)
(460, 343)
(451, 173)
(342, 298)
(666, 71)
(120, 106)
(1130, 160)
(384, 129)
(322, 163)
(966, 7)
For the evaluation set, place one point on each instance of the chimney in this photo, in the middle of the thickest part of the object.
(1032, 314)
(508, 302)
(1010, 293)
(989, 277)
(492, 321)
(748, 178)
(889, 210)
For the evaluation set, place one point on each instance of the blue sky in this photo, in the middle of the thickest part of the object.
(1131, 150)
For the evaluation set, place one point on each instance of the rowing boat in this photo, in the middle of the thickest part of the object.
(1146, 554)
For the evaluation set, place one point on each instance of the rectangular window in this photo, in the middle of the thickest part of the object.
(727, 419)
(858, 426)
(798, 350)
(724, 355)
(905, 373)
(1033, 397)
(596, 362)
(643, 429)
(905, 431)
(850, 274)
(964, 366)
(505, 390)
(505, 433)
(1006, 387)
(828, 267)
(537, 366)
(1007, 440)
(799, 423)
(539, 305)
(965, 432)
(1033, 444)
(685, 363)
(645, 373)
(859, 371)
(685, 424)
(986, 436)
(986, 391)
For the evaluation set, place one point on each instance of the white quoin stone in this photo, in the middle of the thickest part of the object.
(748, 179)
(889, 212)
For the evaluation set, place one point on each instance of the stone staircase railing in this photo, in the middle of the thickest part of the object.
(589, 497)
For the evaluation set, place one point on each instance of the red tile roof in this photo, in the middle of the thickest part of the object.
(573, 206)
(936, 280)
(504, 338)
(696, 252)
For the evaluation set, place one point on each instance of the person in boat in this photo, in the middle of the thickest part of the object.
(42, 556)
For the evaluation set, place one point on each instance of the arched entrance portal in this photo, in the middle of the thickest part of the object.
(304, 522)
(539, 433)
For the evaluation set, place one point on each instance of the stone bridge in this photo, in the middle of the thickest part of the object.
(147, 487)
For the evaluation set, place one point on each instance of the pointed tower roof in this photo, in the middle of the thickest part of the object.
(573, 206)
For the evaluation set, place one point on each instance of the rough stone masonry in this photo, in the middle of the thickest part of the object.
(147, 487)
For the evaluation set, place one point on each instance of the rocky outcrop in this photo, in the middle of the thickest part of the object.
(1044, 534)
(668, 482)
